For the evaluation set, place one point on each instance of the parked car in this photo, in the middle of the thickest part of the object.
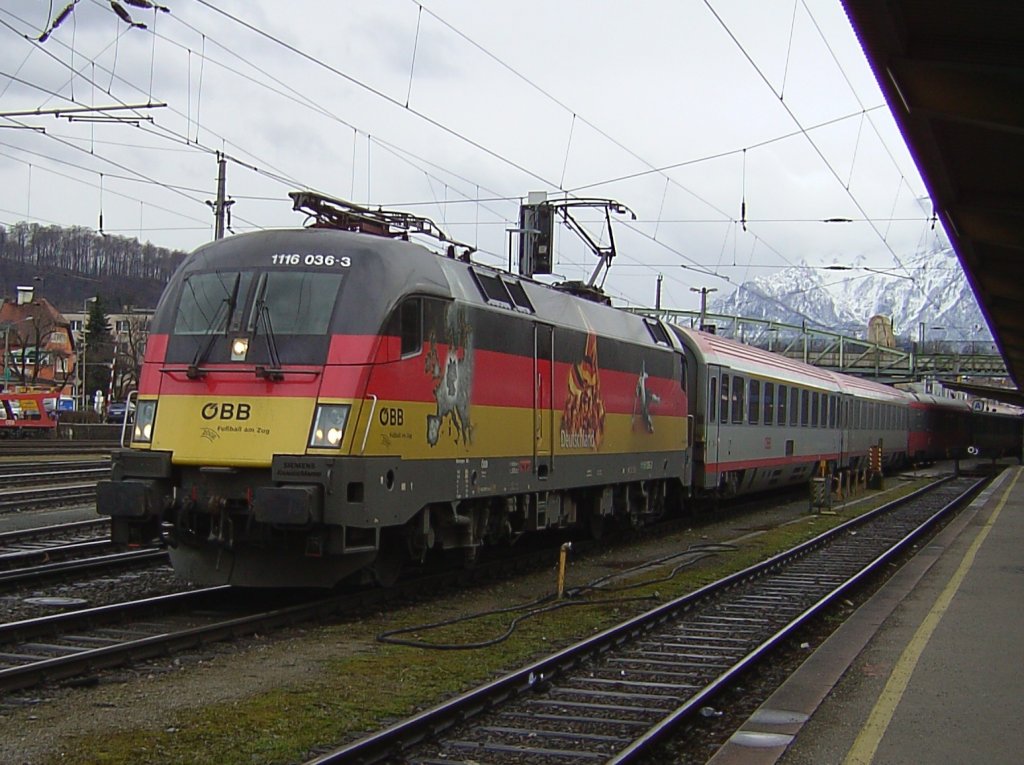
(116, 410)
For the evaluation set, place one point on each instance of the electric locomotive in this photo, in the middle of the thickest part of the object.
(334, 401)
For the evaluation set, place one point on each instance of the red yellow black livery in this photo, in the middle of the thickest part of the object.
(317, 402)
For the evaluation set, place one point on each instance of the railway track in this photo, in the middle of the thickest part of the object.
(28, 556)
(28, 473)
(49, 495)
(30, 447)
(61, 646)
(25, 485)
(614, 697)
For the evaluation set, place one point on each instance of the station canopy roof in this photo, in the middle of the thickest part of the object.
(952, 72)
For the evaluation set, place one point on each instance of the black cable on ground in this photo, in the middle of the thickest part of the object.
(389, 636)
(536, 607)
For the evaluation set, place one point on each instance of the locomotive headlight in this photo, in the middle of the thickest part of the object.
(239, 348)
(329, 425)
(145, 414)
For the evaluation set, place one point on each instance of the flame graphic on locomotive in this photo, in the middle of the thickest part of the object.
(583, 416)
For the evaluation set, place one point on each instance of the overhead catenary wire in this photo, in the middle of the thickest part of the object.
(258, 166)
(814, 146)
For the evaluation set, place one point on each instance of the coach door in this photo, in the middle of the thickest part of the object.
(713, 396)
(543, 388)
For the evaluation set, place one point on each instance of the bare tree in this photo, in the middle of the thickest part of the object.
(128, 355)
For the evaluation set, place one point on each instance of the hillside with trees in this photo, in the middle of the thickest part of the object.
(68, 265)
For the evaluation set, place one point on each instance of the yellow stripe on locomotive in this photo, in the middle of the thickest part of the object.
(220, 430)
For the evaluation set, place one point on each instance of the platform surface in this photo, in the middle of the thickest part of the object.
(929, 670)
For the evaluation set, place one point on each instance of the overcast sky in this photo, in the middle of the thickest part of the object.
(456, 109)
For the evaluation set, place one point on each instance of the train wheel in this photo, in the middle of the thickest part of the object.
(391, 558)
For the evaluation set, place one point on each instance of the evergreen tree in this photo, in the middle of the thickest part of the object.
(97, 351)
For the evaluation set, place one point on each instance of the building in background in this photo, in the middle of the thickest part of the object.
(39, 351)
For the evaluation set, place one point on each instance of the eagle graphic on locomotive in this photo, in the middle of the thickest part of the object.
(337, 401)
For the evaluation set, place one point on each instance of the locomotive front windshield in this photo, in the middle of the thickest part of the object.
(285, 302)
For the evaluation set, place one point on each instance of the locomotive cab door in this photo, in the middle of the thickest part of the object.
(543, 398)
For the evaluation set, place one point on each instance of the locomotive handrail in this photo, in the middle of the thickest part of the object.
(369, 421)
(127, 410)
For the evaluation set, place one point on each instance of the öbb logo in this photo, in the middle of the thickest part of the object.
(226, 411)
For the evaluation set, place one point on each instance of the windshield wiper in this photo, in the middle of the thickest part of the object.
(274, 371)
(226, 307)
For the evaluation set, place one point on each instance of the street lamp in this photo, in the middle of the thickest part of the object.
(7, 347)
(85, 316)
(703, 302)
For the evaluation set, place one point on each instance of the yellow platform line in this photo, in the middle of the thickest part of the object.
(863, 750)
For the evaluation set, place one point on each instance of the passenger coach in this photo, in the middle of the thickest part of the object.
(763, 420)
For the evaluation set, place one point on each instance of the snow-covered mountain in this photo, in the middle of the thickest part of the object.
(930, 289)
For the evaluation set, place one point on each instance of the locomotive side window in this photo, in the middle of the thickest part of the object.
(657, 332)
(411, 326)
(725, 398)
(739, 387)
(769, 403)
(493, 288)
(754, 413)
(783, 398)
(519, 297)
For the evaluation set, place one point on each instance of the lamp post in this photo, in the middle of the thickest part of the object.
(7, 345)
(85, 317)
(703, 302)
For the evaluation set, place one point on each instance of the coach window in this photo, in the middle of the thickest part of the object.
(805, 405)
(832, 412)
(783, 392)
(769, 403)
(814, 409)
(754, 413)
(794, 406)
(713, 401)
(739, 387)
(824, 409)
(724, 398)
